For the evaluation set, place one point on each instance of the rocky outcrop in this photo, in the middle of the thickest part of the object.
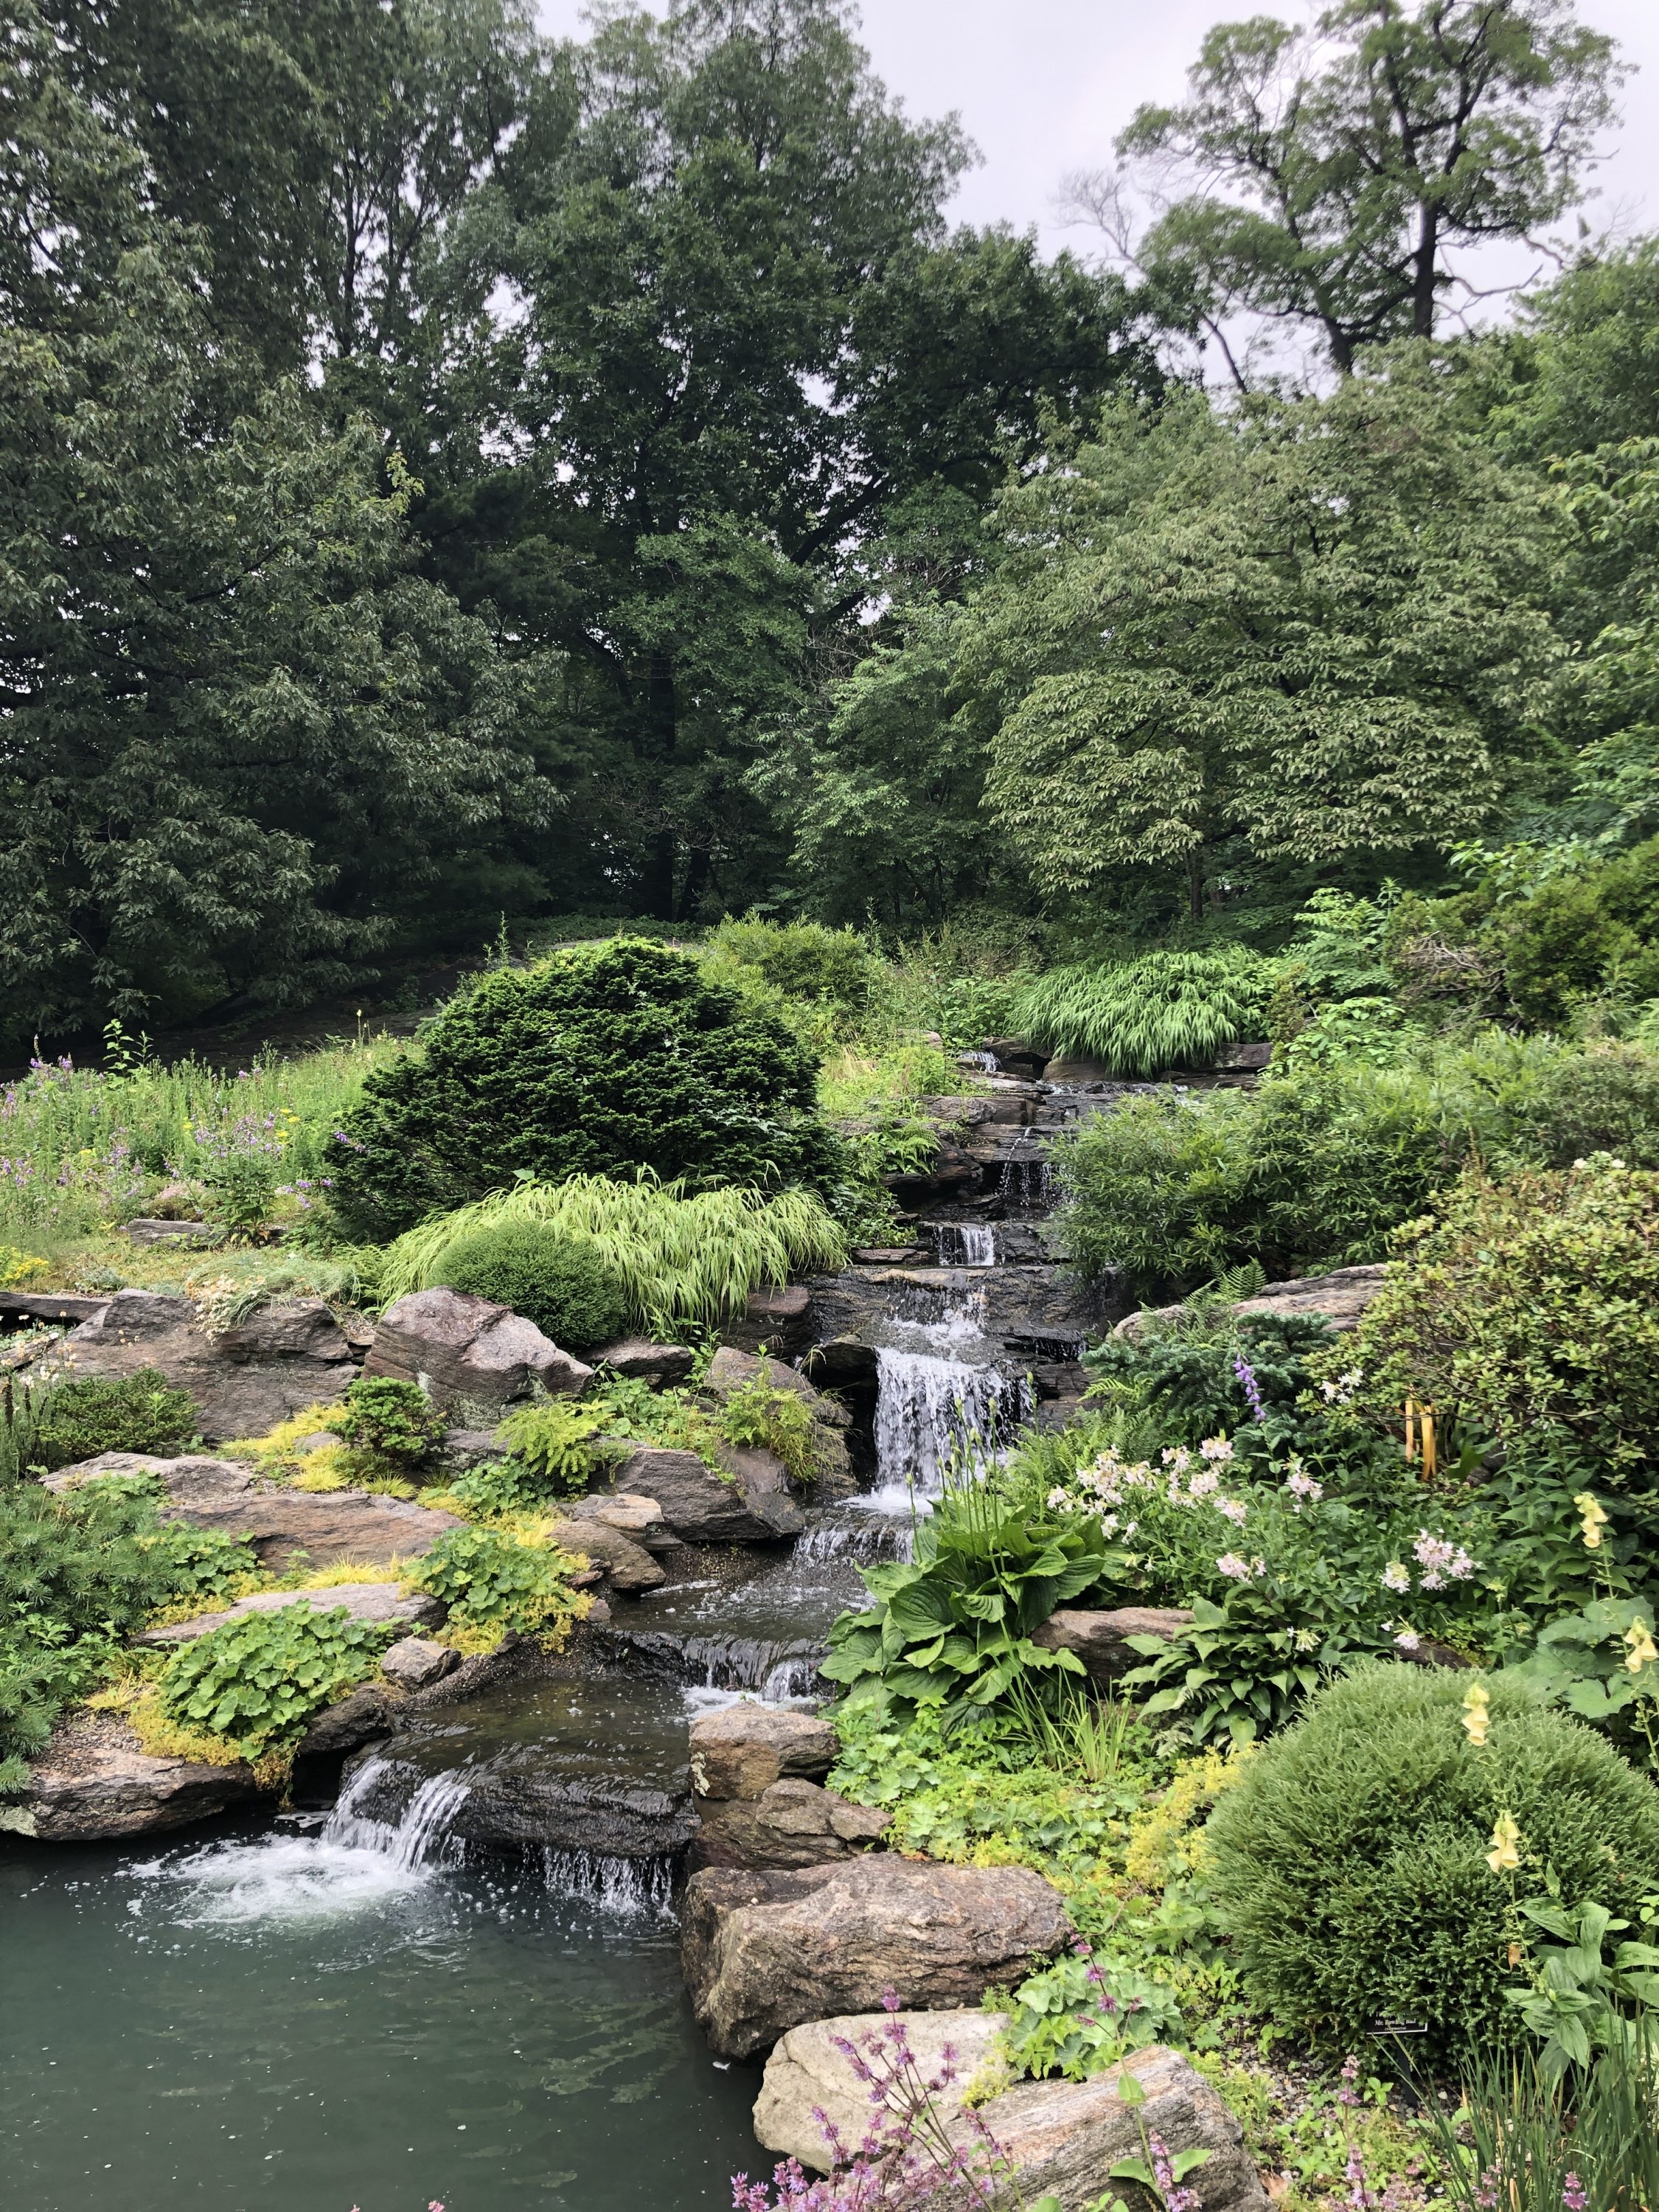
(416, 1660)
(702, 1507)
(520, 1798)
(245, 1380)
(832, 1469)
(95, 1781)
(636, 1358)
(1339, 1298)
(74, 1306)
(806, 2074)
(793, 1823)
(461, 1348)
(739, 1751)
(375, 1603)
(282, 1526)
(774, 1321)
(1101, 1640)
(628, 1566)
(764, 1952)
(363, 1717)
(1063, 2137)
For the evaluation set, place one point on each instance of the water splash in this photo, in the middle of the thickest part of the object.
(419, 1836)
(932, 1411)
(987, 1062)
(281, 1879)
(965, 1243)
(625, 1889)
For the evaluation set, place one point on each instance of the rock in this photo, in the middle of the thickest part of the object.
(634, 1516)
(1073, 1073)
(179, 1201)
(151, 1231)
(367, 1602)
(890, 1256)
(51, 1305)
(794, 1823)
(662, 1366)
(1339, 1298)
(415, 1662)
(1028, 1313)
(764, 1952)
(324, 1526)
(703, 1507)
(1101, 1639)
(777, 1320)
(1064, 2137)
(731, 1369)
(1242, 1059)
(519, 1797)
(245, 1380)
(1016, 1055)
(628, 1564)
(366, 1716)
(458, 1346)
(805, 2075)
(95, 1781)
(739, 1751)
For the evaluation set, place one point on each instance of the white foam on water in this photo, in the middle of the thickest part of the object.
(283, 1878)
(966, 1243)
(625, 1889)
(420, 1835)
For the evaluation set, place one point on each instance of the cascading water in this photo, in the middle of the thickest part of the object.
(624, 1889)
(420, 1835)
(930, 1410)
(1024, 1187)
(965, 1243)
(986, 1062)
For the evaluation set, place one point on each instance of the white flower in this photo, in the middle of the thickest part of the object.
(1394, 1576)
(1409, 1640)
(1216, 1448)
(1057, 1497)
(1307, 1639)
(1303, 1488)
(1234, 1508)
(1203, 1483)
(1237, 1570)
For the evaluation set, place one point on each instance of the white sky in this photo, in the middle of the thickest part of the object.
(1044, 86)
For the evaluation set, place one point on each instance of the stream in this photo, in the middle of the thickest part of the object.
(461, 1983)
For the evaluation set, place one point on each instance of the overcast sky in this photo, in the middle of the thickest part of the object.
(1043, 86)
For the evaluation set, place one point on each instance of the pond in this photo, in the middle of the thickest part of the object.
(270, 2019)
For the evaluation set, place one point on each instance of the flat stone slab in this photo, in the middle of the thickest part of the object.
(739, 1751)
(794, 1823)
(640, 1360)
(373, 1602)
(805, 2075)
(75, 1306)
(1339, 1298)
(95, 1781)
(328, 1526)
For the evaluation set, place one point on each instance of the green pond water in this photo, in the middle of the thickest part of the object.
(274, 2020)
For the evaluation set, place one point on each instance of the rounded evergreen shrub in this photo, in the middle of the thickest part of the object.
(557, 1281)
(1350, 1862)
(598, 1061)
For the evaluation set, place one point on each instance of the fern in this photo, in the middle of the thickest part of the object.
(680, 1260)
(1164, 1010)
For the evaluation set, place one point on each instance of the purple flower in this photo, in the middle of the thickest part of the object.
(1574, 2195)
(1246, 1374)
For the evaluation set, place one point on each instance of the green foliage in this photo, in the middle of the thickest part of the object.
(493, 1581)
(1350, 1863)
(561, 1284)
(953, 1626)
(1243, 1668)
(1186, 1373)
(389, 1421)
(1602, 1663)
(1532, 1300)
(1602, 1100)
(138, 1413)
(1164, 1010)
(759, 1413)
(1519, 2136)
(682, 1258)
(1084, 2013)
(597, 1061)
(1580, 2001)
(257, 1680)
(797, 960)
(553, 1440)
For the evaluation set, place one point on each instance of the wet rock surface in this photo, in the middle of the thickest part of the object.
(794, 1823)
(764, 1952)
(95, 1781)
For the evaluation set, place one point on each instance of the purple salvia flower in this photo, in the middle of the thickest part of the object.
(1246, 1374)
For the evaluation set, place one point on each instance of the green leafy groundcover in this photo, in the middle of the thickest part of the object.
(257, 1681)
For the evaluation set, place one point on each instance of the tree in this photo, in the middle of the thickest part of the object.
(1341, 169)
(1314, 632)
(241, 739)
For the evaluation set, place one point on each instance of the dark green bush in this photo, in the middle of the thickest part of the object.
(597, 1061)
(390, 1421)
(1186, 1374)
(1605, 1100)
(1350, 1862)
(140, 1412)
(557, 1281)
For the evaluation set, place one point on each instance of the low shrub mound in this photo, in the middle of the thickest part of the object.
(391, 1427)
(594, 1062)
(258, 1681)
(140, 1412)
(1352, 1862)
(1528, 1303)
(559, 1282)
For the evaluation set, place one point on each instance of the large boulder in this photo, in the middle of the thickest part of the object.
(1101, 1640)
(807, 2075)
(521, 1797)
(95, 1781)
(763, 1952)
(245, 1380)
(374, 1603)
(739, 1751)
(638, 1359)
(832, 1469)
(1064, 2137)
(628, 1566)
(1339, 1298)
(703, 1507)
(794, 1823)
(776, 1321)
(459, 1347)
(282, 1526)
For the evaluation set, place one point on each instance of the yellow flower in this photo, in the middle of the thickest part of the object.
(1640, 1650)
(1592, 1520)
(1504, 1857)
(1477, 1713)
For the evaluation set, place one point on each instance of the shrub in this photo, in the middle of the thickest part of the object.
(597, 1061)
(554, 1442)
(493, 1580)
(257, 1680)
(140, 1412)
(681, 1259)
(1164, 1010)
(1605, 1100)
(800, 959)
(391, 1422)
(559, 1282)
(1531, 1301)
(1207, 1374)
(1351, 1861)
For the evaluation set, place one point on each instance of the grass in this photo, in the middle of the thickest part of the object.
(1164, 1010)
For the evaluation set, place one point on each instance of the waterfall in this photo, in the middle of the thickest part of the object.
(626, 1889)
(929, 1409)
(420, 1834)
(1024, 1185)
(965, 1243)
(987, 1062)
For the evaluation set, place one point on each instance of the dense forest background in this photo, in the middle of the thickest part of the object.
(452, 481)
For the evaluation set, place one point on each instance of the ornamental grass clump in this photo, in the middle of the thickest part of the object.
(1372, 1861)
(1164, 1010)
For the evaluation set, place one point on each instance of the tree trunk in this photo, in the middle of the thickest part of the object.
(1428, 252)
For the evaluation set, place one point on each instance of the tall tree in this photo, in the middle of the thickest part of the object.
(1339, 170)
